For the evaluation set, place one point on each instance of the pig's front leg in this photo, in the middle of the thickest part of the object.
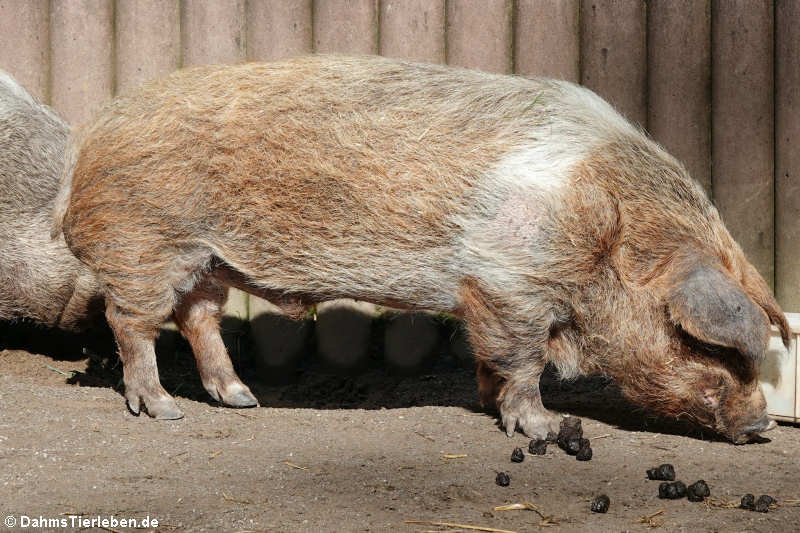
(517, 399)
(136, 342)
(509, 363)
(520, 406)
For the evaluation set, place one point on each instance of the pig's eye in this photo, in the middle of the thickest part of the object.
(729, 358)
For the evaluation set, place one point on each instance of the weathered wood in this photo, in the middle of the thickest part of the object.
(213, 32)
(277, 29)
(343, 332)
(614, 54)
(742, 146)
(413, 29)
(81, 52)
(679, 82)
(25, 44)
(148, 40)
(547, 39)
(346, 26)
(479, 34)
(787, 154)
(279, 342)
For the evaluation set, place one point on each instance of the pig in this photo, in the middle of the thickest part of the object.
(528, 207)
(40, 279)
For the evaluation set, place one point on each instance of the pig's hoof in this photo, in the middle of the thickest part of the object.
(238, 395)
(234, 394)
(536, 424)
(163, 408)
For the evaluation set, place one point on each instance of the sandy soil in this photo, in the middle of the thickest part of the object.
(350, 453)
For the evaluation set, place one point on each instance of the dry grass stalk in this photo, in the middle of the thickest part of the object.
(547, 520)
(713, 503)
(229, 498)
(424, 436)
(454, 456)
(517, 507)
(458, 526)
(651, 520)
(298, 467)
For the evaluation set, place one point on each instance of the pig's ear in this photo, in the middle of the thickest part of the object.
(713, 308)
(757, 289)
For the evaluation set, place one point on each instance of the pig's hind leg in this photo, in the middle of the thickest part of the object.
(198, 315)
(139, 300)
(509, 362)
(135, 335)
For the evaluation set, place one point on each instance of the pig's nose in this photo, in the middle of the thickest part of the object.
(764, 424)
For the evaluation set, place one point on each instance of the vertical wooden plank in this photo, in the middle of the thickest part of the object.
(613, 54)
(343, 332)
(787, 154)
(742, 146)
(346, 26)
(81, 51)
(279, 343)
(547, 39)
(148, 34)
(213, 32)
(278, 28)
(413, 29)
(679, 82)
(343, 326)
(479, 34)
(25, 44)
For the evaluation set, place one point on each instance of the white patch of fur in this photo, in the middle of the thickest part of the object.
(503, 234)
(542, 165)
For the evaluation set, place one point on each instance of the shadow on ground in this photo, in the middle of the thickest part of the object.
(311, 383)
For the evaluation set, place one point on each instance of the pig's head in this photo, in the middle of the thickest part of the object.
(669, 306)
(694, 340)
(723, 327)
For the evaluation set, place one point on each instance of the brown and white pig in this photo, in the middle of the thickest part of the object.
(530, 208)
(40, 279)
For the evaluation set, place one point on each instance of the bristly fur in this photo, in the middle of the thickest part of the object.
(529, 207)
(40, 279)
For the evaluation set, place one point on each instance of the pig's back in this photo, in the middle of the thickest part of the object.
(343, 176)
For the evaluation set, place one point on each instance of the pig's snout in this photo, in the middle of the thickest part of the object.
(752, 431)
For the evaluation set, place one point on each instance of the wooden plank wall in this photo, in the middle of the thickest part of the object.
(742, 125)
(715, 81)
(787, 153)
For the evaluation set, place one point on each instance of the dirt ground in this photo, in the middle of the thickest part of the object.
(345, 453)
